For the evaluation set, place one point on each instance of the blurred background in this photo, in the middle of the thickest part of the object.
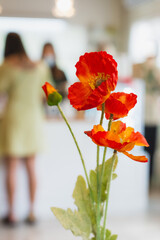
(130, 31)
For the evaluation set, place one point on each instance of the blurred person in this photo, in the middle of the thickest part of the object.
(151, 75)
(21, 126)
(60, 80)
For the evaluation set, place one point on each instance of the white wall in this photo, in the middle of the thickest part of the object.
(97, 12)
(148, 9)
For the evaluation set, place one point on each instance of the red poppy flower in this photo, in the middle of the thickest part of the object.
(120, 138)
(119, 104)
(98, 75)
(53, 97)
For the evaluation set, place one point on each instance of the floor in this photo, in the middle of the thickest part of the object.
(141, 227)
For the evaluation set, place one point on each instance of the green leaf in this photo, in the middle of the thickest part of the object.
(83, 202)
(108, 234)
(114, 176)
(115, 163)
(81, 195)
(114, 237)
(93, 183)
(106, 175)
(81, 222)
(77, 222)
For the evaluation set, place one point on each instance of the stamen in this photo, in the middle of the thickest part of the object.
(95, 81)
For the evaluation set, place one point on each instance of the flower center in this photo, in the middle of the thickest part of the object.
(98, 82)
(95, 81)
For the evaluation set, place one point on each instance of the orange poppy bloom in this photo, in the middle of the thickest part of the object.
(119, 104)
(98, 75)
(53, 97)
(120, 138)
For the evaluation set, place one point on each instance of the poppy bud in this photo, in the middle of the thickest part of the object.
(53, 97)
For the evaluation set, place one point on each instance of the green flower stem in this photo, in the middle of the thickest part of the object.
(98, 218)
(108, 190)
(104, 157)
(102, 115)
(110, 122)
(104, 153)
(79, 151)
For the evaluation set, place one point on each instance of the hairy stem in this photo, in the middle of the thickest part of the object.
(79, 151)
(98, 184)
(98, 200)
(108, 191)
(102, 114)
(104, 155)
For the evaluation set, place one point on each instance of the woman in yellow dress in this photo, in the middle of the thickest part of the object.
(22, 122)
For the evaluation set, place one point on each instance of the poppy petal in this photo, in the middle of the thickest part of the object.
(118, 127)
(98, 75)
(128, 147)
(139, 139)
(48, 89)
(82, 97)
(119, 104)
(115, 107)
(136, 158)
(45, 90)
(126, 134)
(129, 100)
(119, 138)
(90, 64)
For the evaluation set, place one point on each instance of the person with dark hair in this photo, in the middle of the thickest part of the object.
(14, 45)
(60, 80)
(21, 126)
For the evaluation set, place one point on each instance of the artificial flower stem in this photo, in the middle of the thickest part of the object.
(98, 183)
(104, 156)
(98, 198)
(108, 190)
(79, 151)
(110, 122)
(102, 115)
(105, 150)
(104, 153)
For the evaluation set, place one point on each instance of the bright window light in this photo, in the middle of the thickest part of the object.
(141, 42)
(63, 8)
(145, 40)
(32, 24)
